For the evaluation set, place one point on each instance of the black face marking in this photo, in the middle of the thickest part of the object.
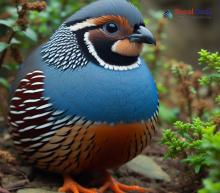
(104, 50)
(80, 38)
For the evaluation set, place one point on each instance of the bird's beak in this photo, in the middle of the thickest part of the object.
(142, 35)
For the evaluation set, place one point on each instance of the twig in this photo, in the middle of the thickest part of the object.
(4, 53)
(22, 20)
(186, 92)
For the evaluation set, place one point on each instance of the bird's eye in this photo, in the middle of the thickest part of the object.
(111, 28)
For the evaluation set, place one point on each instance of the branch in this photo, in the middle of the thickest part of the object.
(4, 53)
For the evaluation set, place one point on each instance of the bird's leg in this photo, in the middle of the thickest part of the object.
(118, 187)
(74, 187)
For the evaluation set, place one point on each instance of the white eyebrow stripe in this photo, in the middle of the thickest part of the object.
(84, 24)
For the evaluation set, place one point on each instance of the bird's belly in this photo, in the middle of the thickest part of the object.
(95, 148)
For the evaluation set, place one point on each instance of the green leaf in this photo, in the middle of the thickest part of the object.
(210, 186)
(218, 99)
(15, 41)
(197, 169)
(17, 29)
(31, 34)
(3, 46)
(4, 83)
(7, 22)
(11, 67)
(215, 76)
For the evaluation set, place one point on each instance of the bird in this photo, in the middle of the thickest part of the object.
(85, 101)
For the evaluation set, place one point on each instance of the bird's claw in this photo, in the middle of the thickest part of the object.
(118, 187)
(74, 187)
(110, 183)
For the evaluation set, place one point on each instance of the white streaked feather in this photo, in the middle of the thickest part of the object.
(17, 112)
(25, 80)
(58, 126)
(27, 128)
(31, 101)
(58, 112)
(19, 122)
(33, 91)
(38, 76)
(16, 99)
(30, 108)
(37, 83)
(44, 106)
(37, 116)
(45, 125)
(37, 71)
(14, 124)
(35, 145)
(17, 142)
(47, 134)
(62, 120)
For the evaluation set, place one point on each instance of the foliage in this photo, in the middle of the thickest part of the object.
(212, 62)
(197, 144)
(212, 146)
(46, 22)
(187, 140)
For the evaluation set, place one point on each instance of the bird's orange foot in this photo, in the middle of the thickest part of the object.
(74, 187)
(118, 187)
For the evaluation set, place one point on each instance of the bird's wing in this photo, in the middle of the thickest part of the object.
(33, 116)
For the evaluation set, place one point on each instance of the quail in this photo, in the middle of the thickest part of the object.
(85, 100)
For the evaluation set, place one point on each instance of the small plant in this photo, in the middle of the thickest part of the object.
(186, 140)
(211, 144)
(212, 62)
(197, 143)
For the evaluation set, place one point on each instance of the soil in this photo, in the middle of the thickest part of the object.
(18, 175)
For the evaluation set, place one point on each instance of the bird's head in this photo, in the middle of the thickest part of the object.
(110, 33)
